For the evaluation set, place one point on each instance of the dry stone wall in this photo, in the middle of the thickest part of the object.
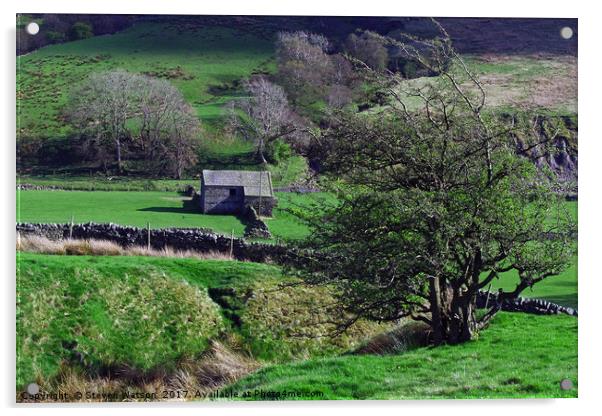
(196, 239)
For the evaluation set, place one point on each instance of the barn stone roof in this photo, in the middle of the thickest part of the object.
(251, 181)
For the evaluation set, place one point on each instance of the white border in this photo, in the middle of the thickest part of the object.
(589, 187)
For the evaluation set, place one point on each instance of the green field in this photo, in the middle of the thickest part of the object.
(203, 62)
(518, 356)
(160, 209)
(108, 305)
(561, 289)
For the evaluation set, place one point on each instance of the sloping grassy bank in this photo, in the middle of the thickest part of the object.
(520, 355)
(143, 316)
(202, 62)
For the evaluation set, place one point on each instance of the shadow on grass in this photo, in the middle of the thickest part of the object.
(230, 161)
(188, 207)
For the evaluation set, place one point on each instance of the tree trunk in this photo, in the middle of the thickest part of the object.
(453, 318)
(118, 149)
(437, 322)
(261, 158)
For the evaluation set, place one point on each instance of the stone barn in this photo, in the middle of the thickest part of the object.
(231, 191)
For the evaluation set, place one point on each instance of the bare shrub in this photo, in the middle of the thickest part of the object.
(77, 247)
(105, 248)
(218, 366)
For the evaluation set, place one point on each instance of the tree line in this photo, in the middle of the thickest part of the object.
(59, 28)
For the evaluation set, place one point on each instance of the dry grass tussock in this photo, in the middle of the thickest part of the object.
(407, 336)
(194, 380)
(43, 245)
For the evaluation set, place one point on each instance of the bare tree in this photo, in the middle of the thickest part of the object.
(116, 109)
(304, 66)
(339, 96)
(101, 107)
(302, 46)
(183, 129)
(368, 48)
(264, 117)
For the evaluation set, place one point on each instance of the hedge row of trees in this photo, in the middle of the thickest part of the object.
(278, 110)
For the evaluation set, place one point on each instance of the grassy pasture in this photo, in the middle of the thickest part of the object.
(519, 355)
(161, 209)
(560, 289)
(547, 84)
(203, 62)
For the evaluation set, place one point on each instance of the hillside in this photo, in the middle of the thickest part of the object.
(206, 63)
(203, 62)
(207, 57)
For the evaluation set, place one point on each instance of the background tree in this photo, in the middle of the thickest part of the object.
(101, 106)
(168, 126)
(264, 117)
(369, 48)
(81, 30)
(434, 204)
(149, 116)
(180, 148)
(304, 66)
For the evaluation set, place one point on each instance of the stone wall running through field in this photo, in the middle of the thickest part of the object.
(527, 305)
(195, 239)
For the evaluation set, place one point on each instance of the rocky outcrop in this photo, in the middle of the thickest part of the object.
(559, 154)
